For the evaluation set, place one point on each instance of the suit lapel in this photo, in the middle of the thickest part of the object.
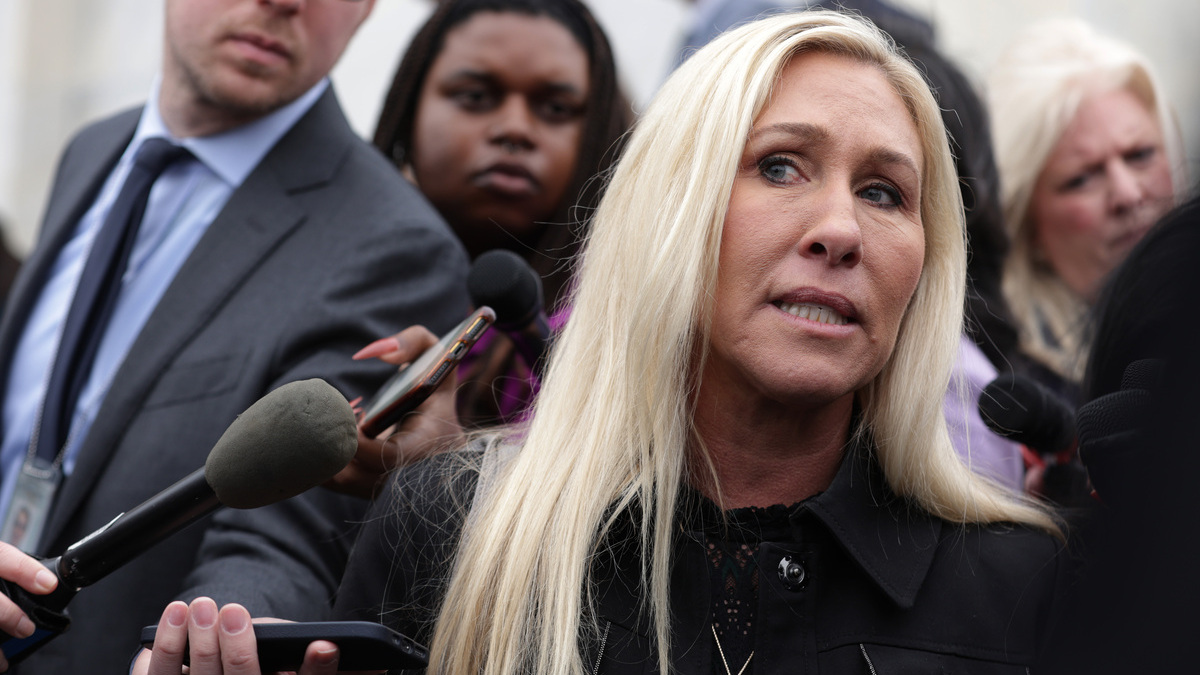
(256, 220)
(84, 168)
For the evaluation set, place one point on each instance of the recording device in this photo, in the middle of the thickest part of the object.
(1113, 433)
(1022, 410)
(362, 645)
(503, 281)
(409, 387)
(292, 439)
(1121, 412)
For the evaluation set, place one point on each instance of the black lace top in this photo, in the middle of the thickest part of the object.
(732, 550)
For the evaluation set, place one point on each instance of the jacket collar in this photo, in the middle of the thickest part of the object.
(892, 539)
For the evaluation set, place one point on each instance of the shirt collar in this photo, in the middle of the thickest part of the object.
(892, 539)
(231, 154)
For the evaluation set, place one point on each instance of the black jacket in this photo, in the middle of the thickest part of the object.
(886, 587)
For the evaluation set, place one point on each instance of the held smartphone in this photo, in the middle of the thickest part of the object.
(415, 382)
(362, 645)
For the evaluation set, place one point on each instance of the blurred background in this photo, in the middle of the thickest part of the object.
(65, 62)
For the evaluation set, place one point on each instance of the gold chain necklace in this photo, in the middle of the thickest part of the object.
(722, 653)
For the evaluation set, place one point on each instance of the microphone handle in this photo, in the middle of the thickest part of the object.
(531, 341)
(128, 535)
(91, 559)
(46, 611)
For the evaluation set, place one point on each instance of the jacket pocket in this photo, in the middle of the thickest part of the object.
(195, 379)
(876, 659)
(620, 651)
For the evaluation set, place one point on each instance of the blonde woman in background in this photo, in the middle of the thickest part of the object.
(1090, 156)
(738, 462)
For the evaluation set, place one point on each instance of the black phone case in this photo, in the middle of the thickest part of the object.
(363, 645)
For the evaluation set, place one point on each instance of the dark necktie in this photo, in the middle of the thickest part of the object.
(96, 295)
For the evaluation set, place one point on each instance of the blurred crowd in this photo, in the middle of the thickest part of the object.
(833, 355)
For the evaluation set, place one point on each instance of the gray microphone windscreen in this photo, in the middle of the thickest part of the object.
(290, 440)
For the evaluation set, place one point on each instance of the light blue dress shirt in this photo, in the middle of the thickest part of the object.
(183, 202)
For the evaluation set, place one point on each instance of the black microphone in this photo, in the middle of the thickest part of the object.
(1114, 432)
(290, 440)
(1021, 409)
(503, 281)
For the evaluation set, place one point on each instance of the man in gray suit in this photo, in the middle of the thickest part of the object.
(280, 246)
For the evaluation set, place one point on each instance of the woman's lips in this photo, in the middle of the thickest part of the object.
(813, 312)
(819, 306)
(1125, 241)
(508, 180)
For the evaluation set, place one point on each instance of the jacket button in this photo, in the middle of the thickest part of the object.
(791, 573)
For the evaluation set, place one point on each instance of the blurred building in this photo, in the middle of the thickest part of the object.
(64, 62)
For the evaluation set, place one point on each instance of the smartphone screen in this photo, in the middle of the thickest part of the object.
(408, 388)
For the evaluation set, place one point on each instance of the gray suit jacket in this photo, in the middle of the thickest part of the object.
(323, 249)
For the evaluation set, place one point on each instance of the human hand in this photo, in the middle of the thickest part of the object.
(218, 642)
(27, 572)
(1035, 480)
(429, 429)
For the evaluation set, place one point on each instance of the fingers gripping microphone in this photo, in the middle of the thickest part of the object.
(292, 439)
(503, 281)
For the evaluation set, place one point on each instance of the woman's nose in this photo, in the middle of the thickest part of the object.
(1125, 189)
(513, 127)
(835, 235)
(288, 6)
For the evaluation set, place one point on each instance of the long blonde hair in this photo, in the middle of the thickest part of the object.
(1033, 93)
(613, 422)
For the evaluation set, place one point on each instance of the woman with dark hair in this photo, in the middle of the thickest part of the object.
(507, 115)
(444, 72)
(504, 112)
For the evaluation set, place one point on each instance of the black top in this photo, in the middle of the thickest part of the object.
(854, 579)
(731, 544)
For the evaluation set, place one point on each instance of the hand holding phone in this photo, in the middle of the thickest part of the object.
(362, 645)
(421, 435)
(409, 387)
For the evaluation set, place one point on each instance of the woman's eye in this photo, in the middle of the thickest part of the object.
(1076, 182)
(558, 111)
(779, 170)
(882, 195)
(1140, 155)
(472, 99)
